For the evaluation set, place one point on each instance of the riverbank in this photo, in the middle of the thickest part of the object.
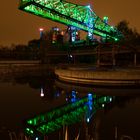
(100, 76)
(12, 69)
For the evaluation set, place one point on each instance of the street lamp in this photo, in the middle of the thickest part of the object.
(41, 32)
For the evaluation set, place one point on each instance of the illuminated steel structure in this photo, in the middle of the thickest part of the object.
(71, 113)
(55, 119)
(70, 14)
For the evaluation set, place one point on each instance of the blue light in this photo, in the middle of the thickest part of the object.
(88, 6)
(57, 94)
(90, 102)
(56, 29)
(89, 96)
(73, 96)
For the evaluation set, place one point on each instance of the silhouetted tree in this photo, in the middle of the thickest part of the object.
(131, 37)
(34, 48)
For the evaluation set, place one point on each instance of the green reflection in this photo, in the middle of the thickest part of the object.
(65, 115)
(55, 113)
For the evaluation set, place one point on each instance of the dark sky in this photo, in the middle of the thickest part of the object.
(19, 27)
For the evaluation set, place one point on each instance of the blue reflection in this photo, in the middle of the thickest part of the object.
(90, 101)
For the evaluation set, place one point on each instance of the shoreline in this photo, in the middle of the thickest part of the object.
(97, 76)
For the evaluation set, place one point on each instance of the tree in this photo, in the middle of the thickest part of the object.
(130, 42)
(131, 36)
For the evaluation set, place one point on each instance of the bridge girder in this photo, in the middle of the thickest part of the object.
(71, 113)
(70, 14)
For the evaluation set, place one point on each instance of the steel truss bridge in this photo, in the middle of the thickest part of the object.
(74, 15)
(75, 111)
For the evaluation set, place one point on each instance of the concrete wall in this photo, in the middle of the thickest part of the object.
(112, 77)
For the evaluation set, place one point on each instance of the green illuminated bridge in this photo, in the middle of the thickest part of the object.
(70, 14)
(71, 113)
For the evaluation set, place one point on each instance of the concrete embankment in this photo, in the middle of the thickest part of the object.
(24, 68)
(127, 76)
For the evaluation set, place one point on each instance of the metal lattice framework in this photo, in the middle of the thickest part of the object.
(55, 119)
(65, 115)
(71, 14)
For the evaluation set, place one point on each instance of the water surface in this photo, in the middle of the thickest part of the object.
(20, 98)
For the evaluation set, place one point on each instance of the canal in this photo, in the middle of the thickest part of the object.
(23, 96)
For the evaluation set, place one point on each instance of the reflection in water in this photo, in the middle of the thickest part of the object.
(32, 95)
(42, 92)
(77, 110)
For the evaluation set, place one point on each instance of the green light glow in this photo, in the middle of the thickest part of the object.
(70, 14)
(67, 119)
(64, 115)
(54, 120)
(103, 100)
(55, 113)
(29, 131)
(105, 18)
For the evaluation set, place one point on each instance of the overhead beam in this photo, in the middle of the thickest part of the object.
(71, 14)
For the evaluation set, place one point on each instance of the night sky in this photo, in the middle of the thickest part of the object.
(18, 27)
